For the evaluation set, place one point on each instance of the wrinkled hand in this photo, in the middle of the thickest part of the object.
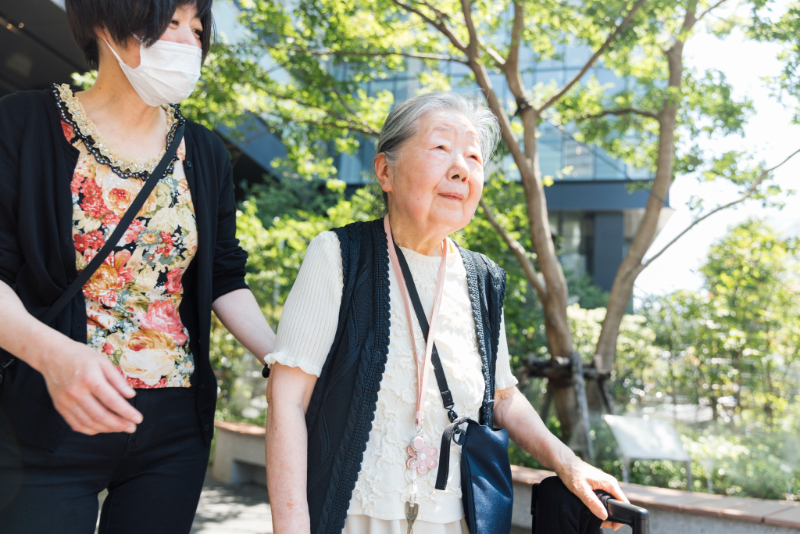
(88, 391)
(582, 479)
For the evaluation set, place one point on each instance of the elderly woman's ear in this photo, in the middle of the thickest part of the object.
(383, 172)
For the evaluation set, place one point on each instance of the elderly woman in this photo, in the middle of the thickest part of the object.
(116, 390)
(344, 400)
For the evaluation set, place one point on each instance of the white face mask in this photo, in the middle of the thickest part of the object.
(167, 74)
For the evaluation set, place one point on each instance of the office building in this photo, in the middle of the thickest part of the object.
(594, 211)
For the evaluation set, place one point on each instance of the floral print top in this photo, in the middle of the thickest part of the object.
(134, 297)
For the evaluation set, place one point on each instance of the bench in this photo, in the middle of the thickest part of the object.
(239, 458)
(239, 454)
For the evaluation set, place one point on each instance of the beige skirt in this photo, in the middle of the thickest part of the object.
(362, 524)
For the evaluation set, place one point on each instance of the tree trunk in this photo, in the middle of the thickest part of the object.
(553, 293)
(633, 265)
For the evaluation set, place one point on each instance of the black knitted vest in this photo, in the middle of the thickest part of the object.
(342, 407)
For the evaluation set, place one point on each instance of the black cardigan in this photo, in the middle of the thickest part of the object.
(342, 407)
(37, 257)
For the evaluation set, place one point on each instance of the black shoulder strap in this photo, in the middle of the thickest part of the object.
(115, 237)
(120, 230)
(441, 380)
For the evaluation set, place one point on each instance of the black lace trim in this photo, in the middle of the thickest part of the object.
(487, 309)
(345, 472)
(90, 143)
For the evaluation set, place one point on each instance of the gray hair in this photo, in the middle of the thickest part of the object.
(402, 123)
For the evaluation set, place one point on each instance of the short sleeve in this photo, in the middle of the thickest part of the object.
(230, 259)
(308, 323)
(504, 378)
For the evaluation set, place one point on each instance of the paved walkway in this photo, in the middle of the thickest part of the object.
(232, 510)
(242, 509)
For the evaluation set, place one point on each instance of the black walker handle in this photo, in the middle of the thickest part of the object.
(628, 514)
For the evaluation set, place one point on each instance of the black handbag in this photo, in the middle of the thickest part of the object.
(126, 220)
(486, 486)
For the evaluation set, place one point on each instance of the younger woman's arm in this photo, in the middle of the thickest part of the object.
(241, 315)
(86, 389)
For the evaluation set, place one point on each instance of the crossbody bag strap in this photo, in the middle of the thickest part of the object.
(444, 450)
(438, 371)
(126, 220)
(119, 231)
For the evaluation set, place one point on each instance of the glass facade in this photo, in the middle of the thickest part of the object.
(573, 232)
(591, 240)
(561, 156)
(595, 218)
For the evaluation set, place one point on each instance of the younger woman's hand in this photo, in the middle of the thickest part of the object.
(88, 391)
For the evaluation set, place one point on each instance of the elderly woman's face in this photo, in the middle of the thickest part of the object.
(439, 176)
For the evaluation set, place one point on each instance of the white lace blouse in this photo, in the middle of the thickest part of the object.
(306, 332)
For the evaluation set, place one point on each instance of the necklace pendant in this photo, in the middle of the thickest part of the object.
(422, 456)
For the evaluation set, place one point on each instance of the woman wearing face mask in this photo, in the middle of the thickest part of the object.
(115, 391)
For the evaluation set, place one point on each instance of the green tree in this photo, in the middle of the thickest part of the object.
(731, 347)
(303, 66)
(275, 228)
(752, 277)
(734, 345)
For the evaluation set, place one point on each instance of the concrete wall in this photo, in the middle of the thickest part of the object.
(669, 522)
(661, 521)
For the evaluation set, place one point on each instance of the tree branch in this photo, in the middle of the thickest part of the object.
(309, 105)
(441, 15)
(438, 57)
(511, 67)
(621, 111)
(344, 104)
(349, 125)
(518, 250)
(438, 24)
(494, 54)
(561, 92)
(709, 10)
(472, 46)
(516, 35)
(747, 194)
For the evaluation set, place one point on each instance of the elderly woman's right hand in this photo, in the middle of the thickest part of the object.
(88, 391)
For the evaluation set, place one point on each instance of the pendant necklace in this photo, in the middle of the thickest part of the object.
(423, 456)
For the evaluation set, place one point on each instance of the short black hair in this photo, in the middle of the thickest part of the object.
(148, 19)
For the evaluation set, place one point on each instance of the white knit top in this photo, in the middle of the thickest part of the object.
(306, 332)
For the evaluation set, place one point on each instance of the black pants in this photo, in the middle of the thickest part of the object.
(154, 477)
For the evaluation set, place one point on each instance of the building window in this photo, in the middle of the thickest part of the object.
(573, 234)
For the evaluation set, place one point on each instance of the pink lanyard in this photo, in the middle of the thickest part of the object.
(422, 366)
